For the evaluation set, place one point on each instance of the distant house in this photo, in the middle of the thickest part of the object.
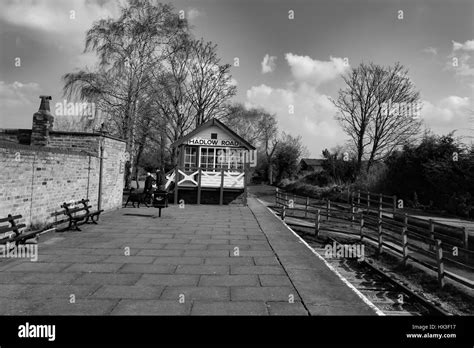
(311, 165)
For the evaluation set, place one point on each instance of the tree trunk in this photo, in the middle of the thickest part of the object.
(137, 160)
(270, 173)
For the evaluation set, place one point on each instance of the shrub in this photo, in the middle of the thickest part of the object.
(461, 204)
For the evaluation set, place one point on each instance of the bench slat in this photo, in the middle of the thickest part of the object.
(6, 229)
(80, 217)
(75, 210)
(20, 226)
(15, 217)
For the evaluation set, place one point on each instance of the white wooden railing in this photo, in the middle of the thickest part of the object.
(189, 177)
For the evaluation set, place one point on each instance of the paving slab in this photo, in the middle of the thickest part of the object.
(230, 308)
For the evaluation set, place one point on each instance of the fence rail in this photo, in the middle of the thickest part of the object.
(374, 201)
(414, 239)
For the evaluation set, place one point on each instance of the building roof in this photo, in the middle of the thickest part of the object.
(312, 161)
(219, 124)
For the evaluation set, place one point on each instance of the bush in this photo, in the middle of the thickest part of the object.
(374, 180)
(430, 171)
(318, 179)
(333, 192)
(461, 204)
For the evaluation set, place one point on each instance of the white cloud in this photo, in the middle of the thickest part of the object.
(313, 116)
(460, 59)
(467, 46)
(431, 50)
(316, 72)
(67, 19)
(17, 93)
(448, 114)
(313, 112)
(268, 64)
(194, 13)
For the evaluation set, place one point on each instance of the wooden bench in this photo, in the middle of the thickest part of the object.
(14, 234)
(80, 214)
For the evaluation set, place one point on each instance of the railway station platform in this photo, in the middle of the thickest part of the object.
(196, 260)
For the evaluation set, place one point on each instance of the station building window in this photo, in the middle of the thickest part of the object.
(218, 158)
(190, 154)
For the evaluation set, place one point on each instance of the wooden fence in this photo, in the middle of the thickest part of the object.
(412, 238)
(373, 201)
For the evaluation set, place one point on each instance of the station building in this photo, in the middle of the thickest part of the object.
(213, 166)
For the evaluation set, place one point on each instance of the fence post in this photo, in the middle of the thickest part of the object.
(358, 197)
(405, 245)
(405, 238)
(380, 202)
(176, 181)
(352, 214)
(286, 198)
(439, 261)
(465, 236)
(283, 212)
(432, 236)
(306, 207)
(317, 223)
(199, 187)
(221, 191)
(276, 195)
(379, 230)
(394, 204)
(368, 200)
(328, 206)
(361, 225)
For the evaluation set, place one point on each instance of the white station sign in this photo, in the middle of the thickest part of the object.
(213, 142)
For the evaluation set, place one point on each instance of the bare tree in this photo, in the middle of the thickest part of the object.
(210, 84)
(395, 120)
(128, 49)
(365, 112)
(246, 122)
(172, 99)
(269, 141)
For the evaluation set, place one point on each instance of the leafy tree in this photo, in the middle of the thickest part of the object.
(439, 170)
(339, 165)
(287, 156)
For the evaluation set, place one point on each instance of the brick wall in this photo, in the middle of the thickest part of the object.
(113, 173)
(75, 141)
(35, 181)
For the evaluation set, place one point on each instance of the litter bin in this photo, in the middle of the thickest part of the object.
(160, 200)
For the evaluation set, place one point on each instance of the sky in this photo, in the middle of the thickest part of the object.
(291, 55)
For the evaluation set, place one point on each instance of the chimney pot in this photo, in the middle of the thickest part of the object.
(44, 106)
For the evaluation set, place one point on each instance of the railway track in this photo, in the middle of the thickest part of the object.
(389, 295)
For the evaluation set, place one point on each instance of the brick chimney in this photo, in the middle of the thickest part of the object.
(42, 123)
